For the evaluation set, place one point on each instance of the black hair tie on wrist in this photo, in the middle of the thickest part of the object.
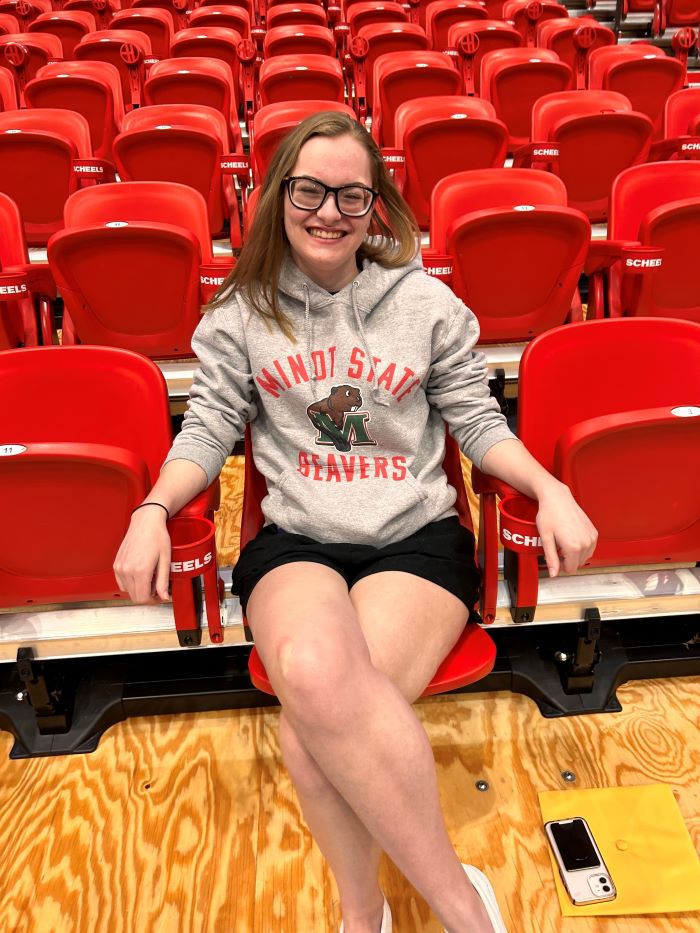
(144, 504)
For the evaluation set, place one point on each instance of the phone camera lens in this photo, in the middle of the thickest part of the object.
(603, 880)
(606, 888)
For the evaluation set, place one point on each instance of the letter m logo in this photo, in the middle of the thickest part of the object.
(354, 430)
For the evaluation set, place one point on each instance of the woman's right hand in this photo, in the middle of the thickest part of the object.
(142, 564)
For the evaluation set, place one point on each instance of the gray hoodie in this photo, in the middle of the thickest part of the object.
(347, 424)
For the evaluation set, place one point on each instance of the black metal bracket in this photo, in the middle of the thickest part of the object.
(497, 387)
(46, 696)
(578, 669)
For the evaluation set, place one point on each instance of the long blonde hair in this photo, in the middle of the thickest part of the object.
(257, 271)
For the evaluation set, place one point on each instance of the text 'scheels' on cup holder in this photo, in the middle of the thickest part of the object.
(193, 561)
(518, 528)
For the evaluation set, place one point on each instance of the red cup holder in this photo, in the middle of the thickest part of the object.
(518, 528)
(193, 564)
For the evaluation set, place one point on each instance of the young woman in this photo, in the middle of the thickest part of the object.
(347, 360)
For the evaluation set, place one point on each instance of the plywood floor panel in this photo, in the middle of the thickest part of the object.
(190, 824)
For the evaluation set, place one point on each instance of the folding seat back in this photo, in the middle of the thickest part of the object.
(25, 12)
(156, 23)
(516, 249)
(299, 40)
(226, 17)
(209, 42)
(296, 14)
(474, 654)
(274, 121)
(644, 74)
(37, 149)
(247, 5)
(181, 143)
(679, 13)
(440, 15)
(379, 39)
(366, 13)
(443, 135)
(595, 135)
(8, 90)
(526, 16)
(301, 77)
(658, 204)
(513, 79)
(89, 429)
(68, 25)
(8, 24)
(682, 113)
(402, 76)
(17, 321)
(629, 448)
(474, 39)
(128, 266)
(204, 81)
(102, 11)
(24, 53)
(573, 40)
(93, 89)
(127, 50)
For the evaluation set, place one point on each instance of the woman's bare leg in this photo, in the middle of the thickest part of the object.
(357, 726)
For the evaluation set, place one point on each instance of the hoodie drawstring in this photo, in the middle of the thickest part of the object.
(376, 394)
(308, 330)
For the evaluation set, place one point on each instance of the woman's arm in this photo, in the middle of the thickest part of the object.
(142, 564)
(565, 529)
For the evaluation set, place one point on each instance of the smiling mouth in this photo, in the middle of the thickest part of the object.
(326, 234)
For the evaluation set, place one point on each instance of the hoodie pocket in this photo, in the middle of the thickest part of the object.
(349, 498)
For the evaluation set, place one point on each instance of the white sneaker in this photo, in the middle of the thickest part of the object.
(483, 888)
(387, 924)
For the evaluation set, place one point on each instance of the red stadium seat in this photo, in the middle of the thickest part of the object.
(440, 15)
(526, 16)
(90, 427)
(296, 14)
(643, 73)
(25, 13)
(227, 17)
(68, 25)
(367, 13)
(134, 264)
(157, 24)
(183, 143)
(402, 76)
(91, 88)
(209, 42)
(37, 152)
(248, 5)
(298, 40)
(515, 248)
(372, 42)
(127, 50)
(514, 79)
(301, 77)
(206, 81)
(657, 205)
(473, 40)
(593, 136)
(8, 90)
(628, 447)
(675, 14)
(19, 282)
(24, 53)
(440, 136)
(474, 654)
(681, 127)
(272, 123)
(102, 13)
(8, 24)
(573, 40)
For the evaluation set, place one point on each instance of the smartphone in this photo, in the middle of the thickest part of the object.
(581, 866)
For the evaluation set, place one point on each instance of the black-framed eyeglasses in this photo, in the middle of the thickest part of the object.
(308, 194)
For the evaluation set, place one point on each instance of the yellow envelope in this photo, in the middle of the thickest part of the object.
(644, 842)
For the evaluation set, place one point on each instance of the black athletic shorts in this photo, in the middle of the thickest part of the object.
(442, 552)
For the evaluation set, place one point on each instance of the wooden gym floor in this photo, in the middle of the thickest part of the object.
(190, 824)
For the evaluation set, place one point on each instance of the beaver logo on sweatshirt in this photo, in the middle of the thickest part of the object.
(338, 420)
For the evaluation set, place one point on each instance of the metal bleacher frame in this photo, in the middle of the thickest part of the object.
(69, 672)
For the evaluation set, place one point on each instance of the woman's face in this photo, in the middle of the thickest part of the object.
(323, 242)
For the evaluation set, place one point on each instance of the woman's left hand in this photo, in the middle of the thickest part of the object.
(568, 535)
